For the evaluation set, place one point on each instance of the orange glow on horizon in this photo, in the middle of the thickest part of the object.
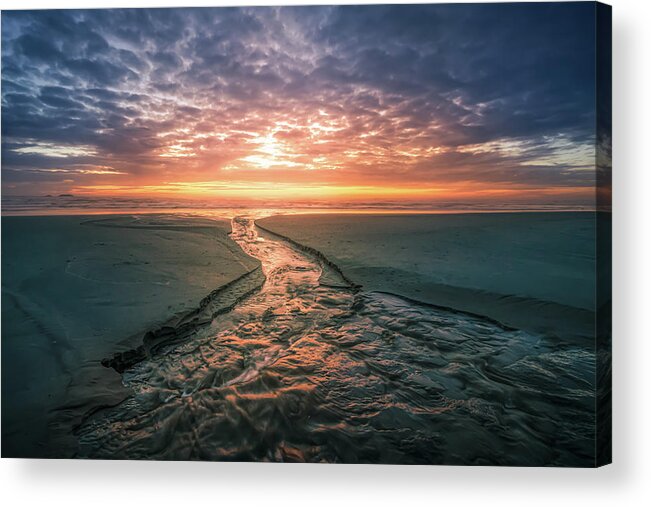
(328, 155)
(288, 192)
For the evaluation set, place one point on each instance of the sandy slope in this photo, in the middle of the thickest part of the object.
(77, 289)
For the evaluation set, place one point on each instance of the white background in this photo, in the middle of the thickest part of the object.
(626, 482)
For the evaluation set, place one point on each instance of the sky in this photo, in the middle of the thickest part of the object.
(414, 104)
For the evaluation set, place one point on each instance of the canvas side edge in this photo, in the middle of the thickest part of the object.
(603, 328)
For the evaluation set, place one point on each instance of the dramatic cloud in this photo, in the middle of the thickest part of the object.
(415, 102)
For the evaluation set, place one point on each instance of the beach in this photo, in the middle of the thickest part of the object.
(354, 338)
(79, 289)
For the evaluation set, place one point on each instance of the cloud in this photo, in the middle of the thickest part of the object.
(380, 94)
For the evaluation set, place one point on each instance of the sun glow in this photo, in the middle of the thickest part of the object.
(269, 152)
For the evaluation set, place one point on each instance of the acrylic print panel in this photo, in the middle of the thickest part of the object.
(343, 234)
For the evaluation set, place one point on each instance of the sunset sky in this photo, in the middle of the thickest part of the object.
(473, 103)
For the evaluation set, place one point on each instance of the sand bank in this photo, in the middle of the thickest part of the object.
(533, 271)
(78, 289)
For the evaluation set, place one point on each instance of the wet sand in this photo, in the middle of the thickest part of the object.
(312, 369)
(533, 271)
(78, 289)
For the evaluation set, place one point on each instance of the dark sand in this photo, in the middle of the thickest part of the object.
(533, 271)
(78, 289)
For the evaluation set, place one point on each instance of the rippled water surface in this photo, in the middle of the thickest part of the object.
(311, 369)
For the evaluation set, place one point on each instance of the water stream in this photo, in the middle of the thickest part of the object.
(311, 369)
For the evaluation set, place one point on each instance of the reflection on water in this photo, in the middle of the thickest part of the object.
(305, 370)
